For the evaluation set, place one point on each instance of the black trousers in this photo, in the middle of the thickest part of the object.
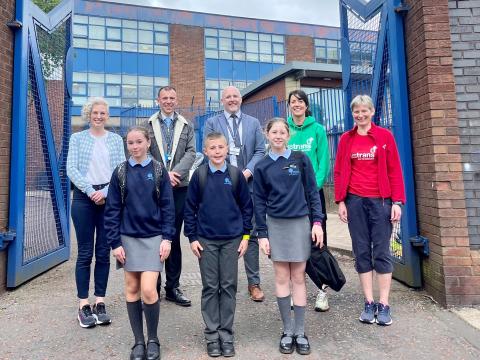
(173, 264)
(309, 268)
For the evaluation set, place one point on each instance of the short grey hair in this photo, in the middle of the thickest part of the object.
(362, 100)
(88, 106)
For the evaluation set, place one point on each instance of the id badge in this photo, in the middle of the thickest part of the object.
(169, 157)
(233, 150)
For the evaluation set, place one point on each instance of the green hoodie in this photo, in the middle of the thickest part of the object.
(312, 140)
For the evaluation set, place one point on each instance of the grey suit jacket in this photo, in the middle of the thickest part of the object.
(253, 140)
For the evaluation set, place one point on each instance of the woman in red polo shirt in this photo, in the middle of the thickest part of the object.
(369, 191)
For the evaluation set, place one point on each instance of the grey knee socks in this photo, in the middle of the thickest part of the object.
(285, 312)
(299, 315)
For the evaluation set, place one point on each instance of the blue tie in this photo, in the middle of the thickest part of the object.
(168, 121)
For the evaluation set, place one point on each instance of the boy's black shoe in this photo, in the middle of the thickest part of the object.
(138, 351)
(85, 317)
(153, 349)
(176, 295)
(100, 314)
(228, 349)
(213, 349)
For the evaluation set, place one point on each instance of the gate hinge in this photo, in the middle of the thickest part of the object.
(5, 238)
(402, 9)
(14, 25)
(421, 244)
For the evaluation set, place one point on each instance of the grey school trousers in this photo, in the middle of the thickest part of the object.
(219, 271)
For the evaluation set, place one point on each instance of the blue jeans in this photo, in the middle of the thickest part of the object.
(88, 221)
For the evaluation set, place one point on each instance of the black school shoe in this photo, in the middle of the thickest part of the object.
(176, 295)
(302, 348)
(138, 351)
(228, 350)
(153, 349)
(286, 344)
(213, 349)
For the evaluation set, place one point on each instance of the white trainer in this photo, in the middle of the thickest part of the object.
(321, 304)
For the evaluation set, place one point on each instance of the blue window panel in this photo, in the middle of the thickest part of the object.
(211, 69)
(161, 66)
(75, 110)
(96, 60)
(145, 62)
(129, 63)
(225, 69)
(253, 71)
(80, 63)
(239, 70)
(113, 63)
(265, 68)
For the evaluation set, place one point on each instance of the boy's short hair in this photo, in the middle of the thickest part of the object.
(213, 136)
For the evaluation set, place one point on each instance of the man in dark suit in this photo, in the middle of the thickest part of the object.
(173, 144)
(246, 146)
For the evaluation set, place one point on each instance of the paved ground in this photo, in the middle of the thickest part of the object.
(37, 321)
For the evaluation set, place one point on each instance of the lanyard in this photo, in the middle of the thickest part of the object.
(167, 135)
(235, 133)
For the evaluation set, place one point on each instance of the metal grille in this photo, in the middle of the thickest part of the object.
(362, 39)
(43, 233)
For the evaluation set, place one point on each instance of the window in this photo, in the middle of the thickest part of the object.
(113, 90)
(114, 33)
(327, 51)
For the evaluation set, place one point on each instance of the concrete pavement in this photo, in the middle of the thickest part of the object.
(38, 320)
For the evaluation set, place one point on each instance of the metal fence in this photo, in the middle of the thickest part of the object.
(327, 106)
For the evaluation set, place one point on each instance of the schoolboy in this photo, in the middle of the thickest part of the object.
(218, 213)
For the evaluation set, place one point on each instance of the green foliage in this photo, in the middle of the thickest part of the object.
(46, 5)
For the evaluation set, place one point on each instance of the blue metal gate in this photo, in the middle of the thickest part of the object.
(373, 62)
(39, 187)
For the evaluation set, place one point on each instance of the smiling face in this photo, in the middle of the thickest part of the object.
(297, 106)
(98, 116)
(362, 115)
(231, 99)
(167, 100)
(137, 145)
(216, 150)
(278, 136)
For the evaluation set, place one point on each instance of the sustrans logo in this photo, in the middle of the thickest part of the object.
(302, 147)
(365, 156)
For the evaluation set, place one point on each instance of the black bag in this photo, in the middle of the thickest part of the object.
(325, 268)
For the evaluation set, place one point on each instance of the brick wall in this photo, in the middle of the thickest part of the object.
(6, 74)
(465, 35)
(276, 89)
(187, 64)
(299, 48)
(448, 272)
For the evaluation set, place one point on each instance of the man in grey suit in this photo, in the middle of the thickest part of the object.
(173, 144)
(246, 146)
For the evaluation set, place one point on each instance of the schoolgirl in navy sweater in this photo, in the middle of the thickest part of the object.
(139, 221)
(284, 230)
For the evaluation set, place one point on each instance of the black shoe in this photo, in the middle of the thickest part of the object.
(286, 344)
(213, 349)
(153, 349)
(176, 295)
(228, 349)
(302, 348)
(138, 351)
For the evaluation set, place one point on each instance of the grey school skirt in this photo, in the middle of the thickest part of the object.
(141, 254)
(289, 238)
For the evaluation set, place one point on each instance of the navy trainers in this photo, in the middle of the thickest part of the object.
(85, 317)
(383, 315)
(368, 314)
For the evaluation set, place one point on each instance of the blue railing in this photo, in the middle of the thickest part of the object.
(327, 106)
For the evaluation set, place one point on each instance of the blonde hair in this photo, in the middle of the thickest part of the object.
(362, 100)
(88, 106)
(213, 136)
(274, 120)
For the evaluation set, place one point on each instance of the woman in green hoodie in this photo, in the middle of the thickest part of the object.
(309, 136)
